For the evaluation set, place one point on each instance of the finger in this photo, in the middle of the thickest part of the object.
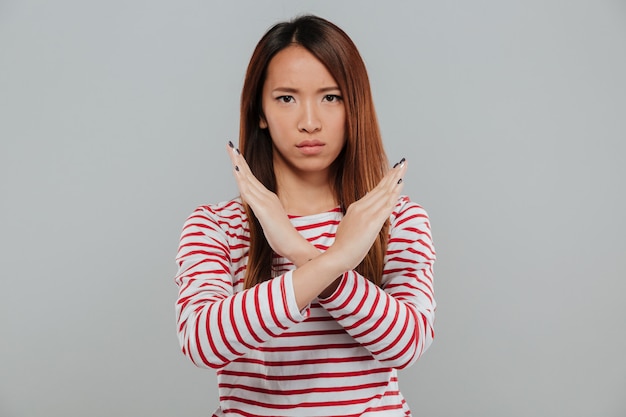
(391, 184)
(395, 174)
(392, 178)
(235, 157)
(252, 191)
(381, 201)
(241, 173)
(398, 178)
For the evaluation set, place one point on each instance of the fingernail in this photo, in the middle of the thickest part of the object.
(400, 181)
(238, 153)
(397, 163)
(236, 168)
(231, 144)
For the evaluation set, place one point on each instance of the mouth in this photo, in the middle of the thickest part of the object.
(309, 144)
(310, 147)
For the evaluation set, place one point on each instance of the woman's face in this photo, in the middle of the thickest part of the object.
(304, 113)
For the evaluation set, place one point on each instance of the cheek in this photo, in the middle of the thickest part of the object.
(275, 122)
(274, 129)
(278, 132)
(340, 126)
(341, 120)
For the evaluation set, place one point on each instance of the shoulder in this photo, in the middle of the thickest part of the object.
(225, 209)
(408, 211)
(410, 224)
(227, 214)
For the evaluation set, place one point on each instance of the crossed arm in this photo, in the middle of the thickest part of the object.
(216, 325)
(316, 272)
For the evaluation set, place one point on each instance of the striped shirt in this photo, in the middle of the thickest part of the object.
(336, 357)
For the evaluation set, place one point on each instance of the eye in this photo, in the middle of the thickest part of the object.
(332, 98)
(285, 99)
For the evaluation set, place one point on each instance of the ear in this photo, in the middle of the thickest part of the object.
(262, 123)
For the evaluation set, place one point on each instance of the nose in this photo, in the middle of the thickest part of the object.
(309, 120)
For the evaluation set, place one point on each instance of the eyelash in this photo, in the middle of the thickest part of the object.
(328, 97)
(284, 99)
(332, 97)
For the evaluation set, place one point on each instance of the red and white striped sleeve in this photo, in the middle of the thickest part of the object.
(214, 324)
(394, 323)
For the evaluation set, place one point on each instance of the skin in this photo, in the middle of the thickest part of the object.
(302, 105)
(301, 102)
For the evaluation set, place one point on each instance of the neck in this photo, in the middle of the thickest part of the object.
(305, 195)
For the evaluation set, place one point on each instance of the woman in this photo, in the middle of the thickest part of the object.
(311, 289)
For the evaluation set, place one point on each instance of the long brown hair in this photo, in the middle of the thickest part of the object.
(360, 165)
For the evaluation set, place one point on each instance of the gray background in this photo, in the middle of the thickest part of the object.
(512, 114)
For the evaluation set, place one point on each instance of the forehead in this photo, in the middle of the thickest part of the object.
(296, 66)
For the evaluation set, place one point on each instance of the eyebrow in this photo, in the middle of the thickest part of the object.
(295, 90)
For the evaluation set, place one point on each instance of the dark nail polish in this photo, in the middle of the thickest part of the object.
(238, 153)
(236, 168)
(231, 144)
(400, 181)
(397, 163)
(402, 160)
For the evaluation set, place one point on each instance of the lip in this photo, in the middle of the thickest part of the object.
(309, 143)
(310, 147)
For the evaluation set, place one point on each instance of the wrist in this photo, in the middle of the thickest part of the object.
(331, 263)
(302, 253)
(316, 276)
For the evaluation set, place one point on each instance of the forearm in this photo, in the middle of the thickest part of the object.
(213, 332)
(396, 331)
(394, 321)
(301, 251)
(316, 275)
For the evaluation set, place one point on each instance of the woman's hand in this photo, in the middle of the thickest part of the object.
(283, 238)
(354, 237)
(364, 219)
